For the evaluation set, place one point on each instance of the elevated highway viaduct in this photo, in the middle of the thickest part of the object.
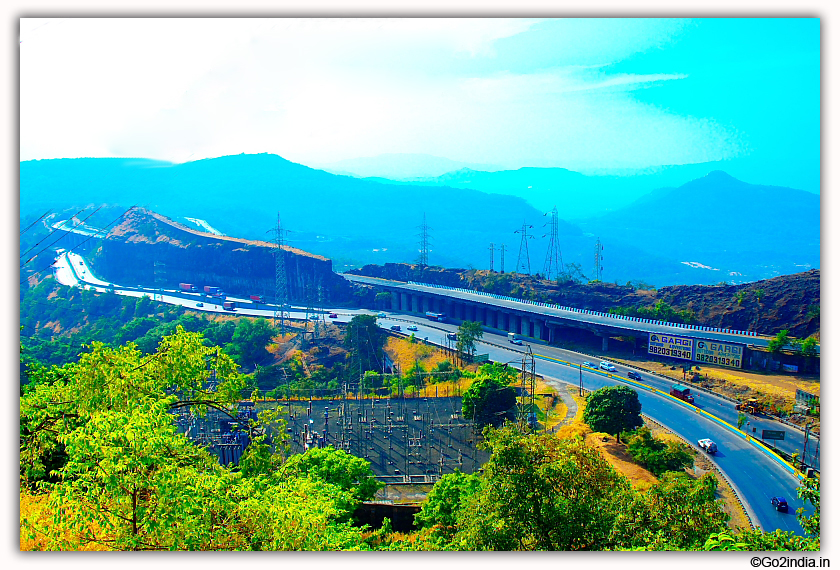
(538, 322)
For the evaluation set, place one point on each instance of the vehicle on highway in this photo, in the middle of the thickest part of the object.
(439, 317)
(634, 375)
(333, 316)
(751, 406)
(412, 327)
(395, 327)
(682, 392)
(608, 366)
(589, 364)
(452, 336)
(313, 318)
(516, 341)
(199, 304)
(186, 287)
(229, 306)
(257, 298)
(779, 503)
(381, 315)
(707, 445)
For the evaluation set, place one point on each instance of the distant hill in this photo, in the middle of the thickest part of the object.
(344, 218)
(722, 223)
(399, 166)
(748, 232)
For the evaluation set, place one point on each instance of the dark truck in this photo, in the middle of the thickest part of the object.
(257, 298)
(229, 306)
(213, 291)
(683, 393)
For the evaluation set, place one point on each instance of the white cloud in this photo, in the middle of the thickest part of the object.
(317, 91)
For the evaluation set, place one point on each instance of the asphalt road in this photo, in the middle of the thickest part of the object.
(755, 476)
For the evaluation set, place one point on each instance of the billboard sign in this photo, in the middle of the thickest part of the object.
(671, 346)
(772, 434)
(720, 353)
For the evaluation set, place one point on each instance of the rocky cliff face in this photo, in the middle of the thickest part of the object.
(150, 249)
(768, 306)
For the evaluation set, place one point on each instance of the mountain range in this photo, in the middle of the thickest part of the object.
(712, 229)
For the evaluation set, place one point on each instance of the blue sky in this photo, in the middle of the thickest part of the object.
(585, 94)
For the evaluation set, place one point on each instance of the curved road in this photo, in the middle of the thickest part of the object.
(755, 476)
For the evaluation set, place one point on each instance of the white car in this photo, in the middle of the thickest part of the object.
(411, 327)
(606, 366)
(707, 445)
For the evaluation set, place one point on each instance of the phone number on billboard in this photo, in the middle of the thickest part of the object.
(718, 360)
(674, 352)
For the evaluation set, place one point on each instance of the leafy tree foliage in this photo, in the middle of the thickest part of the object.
(657, 456)
(809, 490)
(249, 341)
(613, 409)
(778, 342)
(538, 492)
(131, 482)
(490, 400)
(444, 502)
(662, 311)
(365, 341)
(468, 334)
(338, 468)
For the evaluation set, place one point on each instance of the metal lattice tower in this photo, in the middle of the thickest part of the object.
(527, 388)
(503, 248)
(523, 250)
(424, 243)
(492, 249)
(553, 258)
(599, 258)
(280, 285)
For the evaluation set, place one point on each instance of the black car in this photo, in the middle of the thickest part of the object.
(634, 375)
(780, 503)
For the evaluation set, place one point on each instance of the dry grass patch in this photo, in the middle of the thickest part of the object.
(616, 454)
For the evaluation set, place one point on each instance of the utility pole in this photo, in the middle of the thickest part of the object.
(553, 258)
(503, 248)
(492, 249)
(424, 243)
(580, 379)
(523, 250)
(599, 258)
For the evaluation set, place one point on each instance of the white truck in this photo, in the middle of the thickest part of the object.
(513, 338)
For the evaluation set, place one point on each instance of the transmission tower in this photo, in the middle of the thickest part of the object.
(553, 258)
(425, 242)
(503, 248)
(599, 258)
(526, 391)
(524, 264)
(492, 249)
(280, 285)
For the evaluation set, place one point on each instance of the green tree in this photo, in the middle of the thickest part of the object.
(441, 507)
(338, 468)
(809, 490)
(249, 341)
(490, 400)
(382, 300)
(365, 341)
(742, 419)
(539, 492)
(778, 342)
(468, 334)
(657, 456)
(613, 409)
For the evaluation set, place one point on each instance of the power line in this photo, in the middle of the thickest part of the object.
(523, 250)
(35, 222)
(54, 230)
(81, 243)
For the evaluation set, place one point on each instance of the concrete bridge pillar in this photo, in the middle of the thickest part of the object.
(404, 302)
(425, 304)
(524, 326)
(395, 301)
(538, 329)
(605, 342)
(415, 304)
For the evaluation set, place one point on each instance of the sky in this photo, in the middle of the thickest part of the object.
(583, 94)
